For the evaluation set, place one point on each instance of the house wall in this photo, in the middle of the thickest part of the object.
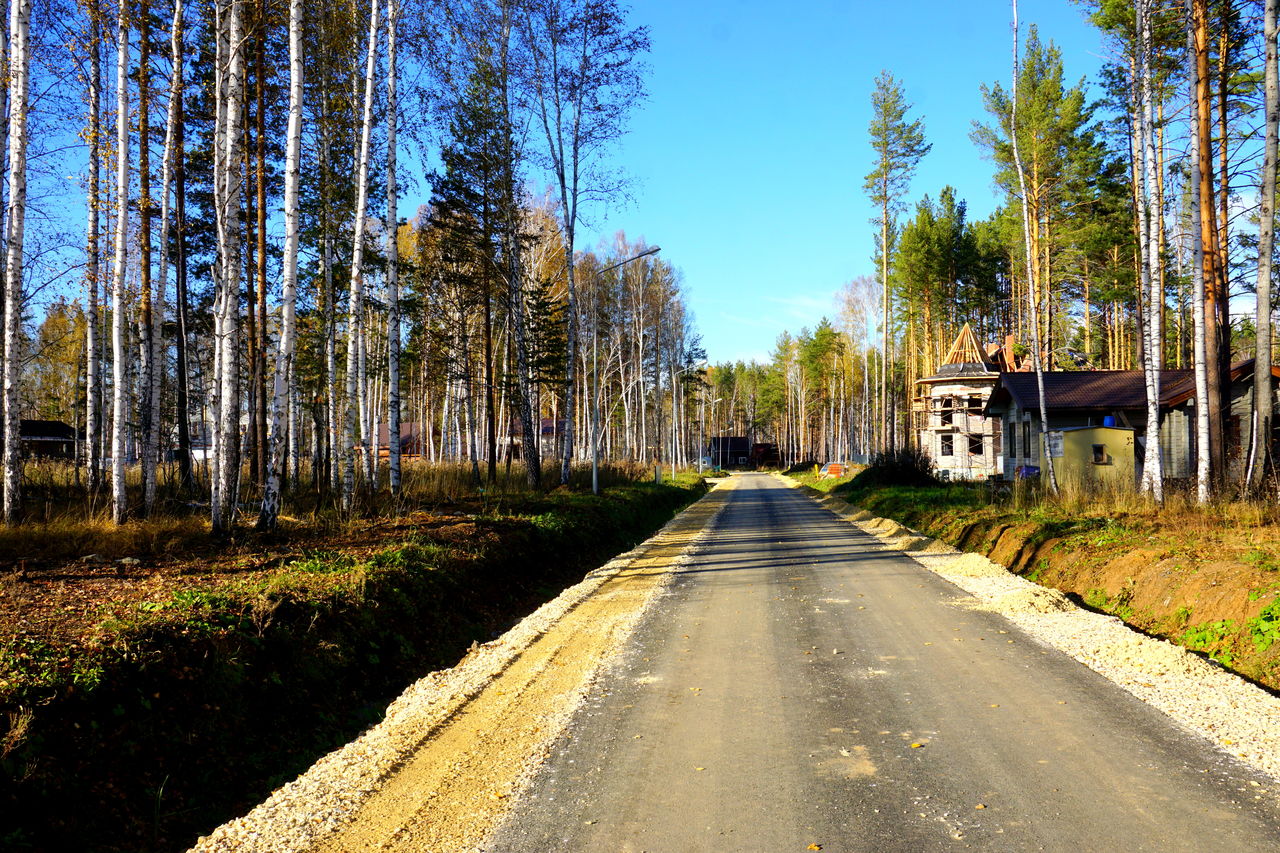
(1078, 467)
(960, 463)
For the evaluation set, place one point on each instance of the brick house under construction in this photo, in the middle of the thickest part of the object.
(947, 410)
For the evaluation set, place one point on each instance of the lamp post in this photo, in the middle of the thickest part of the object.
(595, 368)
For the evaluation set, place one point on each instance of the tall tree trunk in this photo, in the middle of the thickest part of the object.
(231, 94)
(186, 472)
(1152, 469)
(393, 265)
(270, 511)
(19, 75)
(119, 502)
(1260, 439)
(1036, 351)
(147, 415)
(1199, 305)
(260, 174)
(166, 181)
(93, 260)
(1214, 272)
(355, 305)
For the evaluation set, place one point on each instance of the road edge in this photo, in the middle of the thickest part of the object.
(328, 796)
(1239, 719)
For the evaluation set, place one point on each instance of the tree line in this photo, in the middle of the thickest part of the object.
(1135, 232)
(254, 311)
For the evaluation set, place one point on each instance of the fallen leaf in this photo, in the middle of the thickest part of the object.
(699, 768)
(814, 847)
(979, 806)
(917, 746)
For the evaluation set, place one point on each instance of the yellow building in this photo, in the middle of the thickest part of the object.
(1093, 458)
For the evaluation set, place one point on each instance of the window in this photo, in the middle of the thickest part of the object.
(976, 445)
(1013, 441)
(1027, 450)
(975, 404)
(1099, 454)
(948, 410)
(947, 445)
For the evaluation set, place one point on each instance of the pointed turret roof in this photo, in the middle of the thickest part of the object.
(965, 358)
(965, 350)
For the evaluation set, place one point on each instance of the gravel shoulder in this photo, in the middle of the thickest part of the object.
(442, 766)
(1238, 718)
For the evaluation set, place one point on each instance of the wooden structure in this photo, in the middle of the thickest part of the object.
(47, 439)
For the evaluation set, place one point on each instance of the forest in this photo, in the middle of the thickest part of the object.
(247, 321)
(248, 318)
(1135, 233)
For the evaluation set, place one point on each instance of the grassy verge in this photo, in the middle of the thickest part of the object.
(1208, 579)
(189, 706)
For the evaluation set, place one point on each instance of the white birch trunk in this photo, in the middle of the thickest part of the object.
(270, 511)
(229, 262)
(1152, 473)
(393, 261)
(93, 270)
(19, 75)
(162, 277)
(119, 503)
(355, 307)
(1199, 347)
(1260, 444)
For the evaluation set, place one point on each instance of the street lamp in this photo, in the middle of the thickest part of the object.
(595, 368)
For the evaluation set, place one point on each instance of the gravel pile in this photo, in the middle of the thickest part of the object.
(1237, 717)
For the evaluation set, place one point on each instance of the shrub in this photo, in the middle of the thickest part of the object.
(907, 466)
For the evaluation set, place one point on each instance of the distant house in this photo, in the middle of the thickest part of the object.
(412, 444)
(1118, 398)
(1083, 398)
(978, 416)
(730, 451)
(947, 412)
(47, 439)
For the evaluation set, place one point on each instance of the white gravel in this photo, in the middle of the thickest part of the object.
(1235, 716)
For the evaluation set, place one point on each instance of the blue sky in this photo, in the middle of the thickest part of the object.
(749, 155)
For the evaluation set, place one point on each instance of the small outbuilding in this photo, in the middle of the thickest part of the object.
(1094, 458)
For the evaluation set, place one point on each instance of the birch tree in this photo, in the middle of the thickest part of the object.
(270, 511)
(355, 305)
(1200, 361)
(93, 256)
(1149, 261)
(119, 502)
(393, 261)
(586, 76)
(15, 220)
(228, 179)
(1260, 434)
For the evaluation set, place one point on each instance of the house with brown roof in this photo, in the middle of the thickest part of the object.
(1117, 398)
(1085, 398)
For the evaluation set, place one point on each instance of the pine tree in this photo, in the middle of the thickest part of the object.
(899, 146)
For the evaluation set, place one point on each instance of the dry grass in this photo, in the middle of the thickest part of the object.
(63, 521)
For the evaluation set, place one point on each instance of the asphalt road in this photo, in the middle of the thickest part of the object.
(797, 686)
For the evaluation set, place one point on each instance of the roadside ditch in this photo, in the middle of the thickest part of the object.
(200, 706)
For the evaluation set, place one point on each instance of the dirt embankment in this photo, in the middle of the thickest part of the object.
(1210, 583)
